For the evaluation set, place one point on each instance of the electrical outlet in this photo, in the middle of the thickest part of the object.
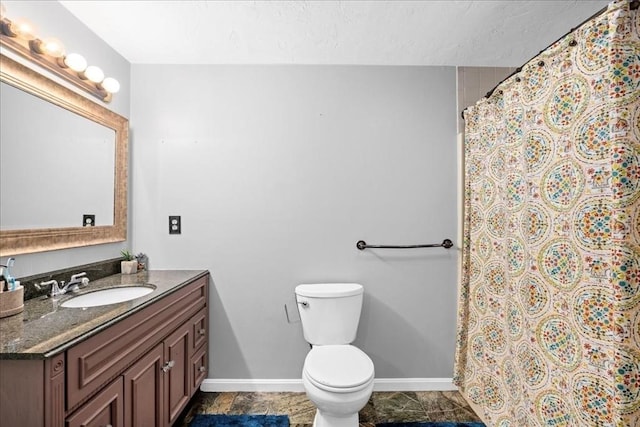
(88, 220)
(175, 224)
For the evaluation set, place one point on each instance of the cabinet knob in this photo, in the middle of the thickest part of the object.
(108, 425)
(202, 369)
(202, 331)
(168, 365)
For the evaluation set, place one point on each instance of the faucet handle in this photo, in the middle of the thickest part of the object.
(78, 280)
(75, 277)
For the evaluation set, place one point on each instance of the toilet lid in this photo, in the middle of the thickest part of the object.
(338, 366)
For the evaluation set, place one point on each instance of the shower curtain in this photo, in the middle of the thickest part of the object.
(549, 300)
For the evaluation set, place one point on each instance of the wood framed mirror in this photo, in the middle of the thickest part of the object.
(20, 233)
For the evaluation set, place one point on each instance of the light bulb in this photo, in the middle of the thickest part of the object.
(76, 62)
(111, 85)
(52, 47)
(23, 29)
(93, 73)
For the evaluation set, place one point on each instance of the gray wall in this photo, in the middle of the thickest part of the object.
(277, 171)
(52, 19)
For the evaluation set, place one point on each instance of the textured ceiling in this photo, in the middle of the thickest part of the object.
(428, 32)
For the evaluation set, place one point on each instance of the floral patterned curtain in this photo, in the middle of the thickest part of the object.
(549, 304)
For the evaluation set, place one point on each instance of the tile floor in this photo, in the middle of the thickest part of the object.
(382, 407)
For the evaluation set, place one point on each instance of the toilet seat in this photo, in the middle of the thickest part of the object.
(338, 368)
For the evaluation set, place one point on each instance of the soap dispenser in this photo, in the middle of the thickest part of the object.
(3, 280)
(9, 279)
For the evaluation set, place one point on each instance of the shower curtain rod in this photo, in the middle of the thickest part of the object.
(633, 5)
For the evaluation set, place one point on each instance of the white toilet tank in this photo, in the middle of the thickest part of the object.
(329, 312)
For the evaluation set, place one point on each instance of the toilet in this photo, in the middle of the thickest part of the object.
(337, 376)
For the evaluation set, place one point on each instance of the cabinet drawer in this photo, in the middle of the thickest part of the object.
(97, 360)
(200, 330)
(199, 368)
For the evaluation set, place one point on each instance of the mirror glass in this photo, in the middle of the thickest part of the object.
(55, 167)
(62, 157)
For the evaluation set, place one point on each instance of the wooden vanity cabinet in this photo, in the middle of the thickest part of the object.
(140, 371)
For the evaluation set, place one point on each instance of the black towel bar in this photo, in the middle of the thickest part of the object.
(446, 243)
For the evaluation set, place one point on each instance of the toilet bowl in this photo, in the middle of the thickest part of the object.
(338, 379)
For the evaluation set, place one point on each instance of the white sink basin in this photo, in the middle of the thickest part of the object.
(107, 296)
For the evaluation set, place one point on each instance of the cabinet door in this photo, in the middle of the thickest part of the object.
(104, 410)
(177, 359)
(144, 390)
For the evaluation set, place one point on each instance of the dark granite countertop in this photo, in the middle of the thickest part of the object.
(45, 328)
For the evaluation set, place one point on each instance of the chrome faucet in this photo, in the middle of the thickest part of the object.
(72, 286)
(55, 289)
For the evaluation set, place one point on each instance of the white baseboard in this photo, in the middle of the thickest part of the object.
(220, 385)
(413, 384)
(295, 385)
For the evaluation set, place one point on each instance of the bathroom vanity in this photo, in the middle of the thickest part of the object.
(111, 365)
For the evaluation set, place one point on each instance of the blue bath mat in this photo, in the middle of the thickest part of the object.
(433, 424)
(220, 420)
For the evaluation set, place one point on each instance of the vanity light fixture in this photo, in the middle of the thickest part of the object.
(19, 36)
